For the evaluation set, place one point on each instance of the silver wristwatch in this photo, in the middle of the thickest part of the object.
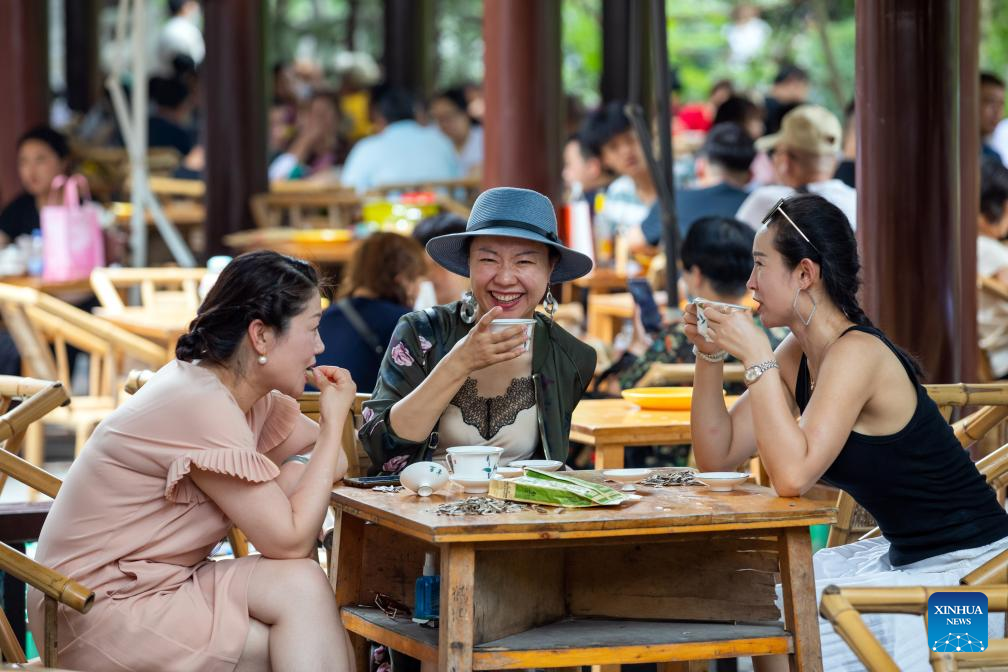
(754, 372)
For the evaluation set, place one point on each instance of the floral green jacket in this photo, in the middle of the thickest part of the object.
(562, 367)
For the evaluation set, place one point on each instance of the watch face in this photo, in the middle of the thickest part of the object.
(752, 373)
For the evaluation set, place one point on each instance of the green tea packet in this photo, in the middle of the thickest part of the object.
(554, 489)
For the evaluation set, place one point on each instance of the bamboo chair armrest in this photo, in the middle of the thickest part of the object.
(105, 290)
(994, 571)
(851, 627)
(31, 409)
(968, 394)
(914, 599)
(17, 386)
(974, 426)
(48, 581)
(29, 474)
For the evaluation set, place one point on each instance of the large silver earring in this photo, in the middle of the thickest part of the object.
(550, 303)
(468, 306)
(794, 307)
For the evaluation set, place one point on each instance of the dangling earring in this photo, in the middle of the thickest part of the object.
(794, 307)
(263, 359)
(468, 306)
(550, 303)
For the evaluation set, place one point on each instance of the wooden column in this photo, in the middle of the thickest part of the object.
(234, 90)
(82, 76)
(522, 127)
(24, 78)
(409, 45)
(625, 49)
(969, 181)
(909, 216)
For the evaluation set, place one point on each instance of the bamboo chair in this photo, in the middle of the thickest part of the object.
(42, 326)
(662, 373)
(168, 288)
(311, 208)
(39, 397)
(843, 608)
(853, 522)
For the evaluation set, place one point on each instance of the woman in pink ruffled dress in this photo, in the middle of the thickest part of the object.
(215, 438)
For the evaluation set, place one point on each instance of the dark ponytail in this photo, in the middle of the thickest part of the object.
(263, 286)
(832, 245)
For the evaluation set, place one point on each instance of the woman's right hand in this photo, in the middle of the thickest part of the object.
(481, 347)
(337, 392)
(690, 320)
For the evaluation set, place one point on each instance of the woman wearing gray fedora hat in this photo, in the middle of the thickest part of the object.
(450, 377)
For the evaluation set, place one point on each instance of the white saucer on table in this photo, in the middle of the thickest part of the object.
(541, 465)
(721, 481)
(627, 477)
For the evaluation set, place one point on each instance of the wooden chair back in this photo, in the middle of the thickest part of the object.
(843, 607)
(311, 208)
(853, 522)
(38, 397)
(168, 288)
(42, 326)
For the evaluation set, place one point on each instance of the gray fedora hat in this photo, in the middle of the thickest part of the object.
(515, 213)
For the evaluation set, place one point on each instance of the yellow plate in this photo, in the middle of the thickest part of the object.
(322, 236)
(661, 398)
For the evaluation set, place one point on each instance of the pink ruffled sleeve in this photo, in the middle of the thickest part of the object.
(247, 465)
(275, 417)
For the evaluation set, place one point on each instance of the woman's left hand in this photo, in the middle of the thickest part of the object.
(737, 333)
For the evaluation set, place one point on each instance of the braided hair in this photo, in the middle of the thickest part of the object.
(263, 286)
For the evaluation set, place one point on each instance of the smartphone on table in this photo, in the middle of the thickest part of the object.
(644, 298)
(371, 481)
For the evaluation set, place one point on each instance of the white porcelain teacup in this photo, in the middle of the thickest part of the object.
(702, 304)
(472, 464)
(507, 323)
(424, 478)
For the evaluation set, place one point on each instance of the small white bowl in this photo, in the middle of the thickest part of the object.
(721, 481)
(541, 465)
(424, 478)
(626, 476)
(508, 472)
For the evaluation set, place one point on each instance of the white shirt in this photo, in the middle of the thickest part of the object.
(992, 314)
(402, 153)
(471, 155)
(179, 36)
(758, 204)
(999, 140)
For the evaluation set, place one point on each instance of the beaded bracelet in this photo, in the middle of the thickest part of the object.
(716, 358)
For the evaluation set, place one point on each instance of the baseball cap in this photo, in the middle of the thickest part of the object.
(807, 128)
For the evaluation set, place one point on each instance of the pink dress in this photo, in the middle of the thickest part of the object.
(131, 525)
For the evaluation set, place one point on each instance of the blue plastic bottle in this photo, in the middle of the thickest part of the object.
(427, 596)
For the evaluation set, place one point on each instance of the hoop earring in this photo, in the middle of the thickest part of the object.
(263, 359)
(467, 307)
(550, 303)
(794, 307)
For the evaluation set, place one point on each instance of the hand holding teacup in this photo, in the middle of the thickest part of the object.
(733, 329)
(483, 346)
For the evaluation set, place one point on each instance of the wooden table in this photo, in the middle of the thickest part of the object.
(600, 280)
(162, 326)
(613, 424)
(315, 245)
(606, 313)
(682, 574)
(59, 288)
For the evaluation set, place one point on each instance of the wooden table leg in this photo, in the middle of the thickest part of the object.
(455, 637)
(801, 616)
(609, 455)
(346, 563)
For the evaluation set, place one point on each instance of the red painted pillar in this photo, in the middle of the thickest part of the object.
(234, 95)
(522, 87)
(918, 253)
(24, 78)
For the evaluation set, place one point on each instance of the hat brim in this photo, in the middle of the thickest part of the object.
(767, 142)
(452, 252)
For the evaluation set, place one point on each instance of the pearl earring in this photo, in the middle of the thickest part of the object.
(263, 359)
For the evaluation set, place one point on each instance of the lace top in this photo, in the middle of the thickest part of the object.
(494, 407)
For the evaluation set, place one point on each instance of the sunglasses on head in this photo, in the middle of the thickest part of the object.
(780, 208)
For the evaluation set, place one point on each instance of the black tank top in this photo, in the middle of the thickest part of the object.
(919, 484)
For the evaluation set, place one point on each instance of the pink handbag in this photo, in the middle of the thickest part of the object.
(72, 240)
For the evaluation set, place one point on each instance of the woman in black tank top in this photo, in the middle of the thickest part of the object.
(866, 424)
